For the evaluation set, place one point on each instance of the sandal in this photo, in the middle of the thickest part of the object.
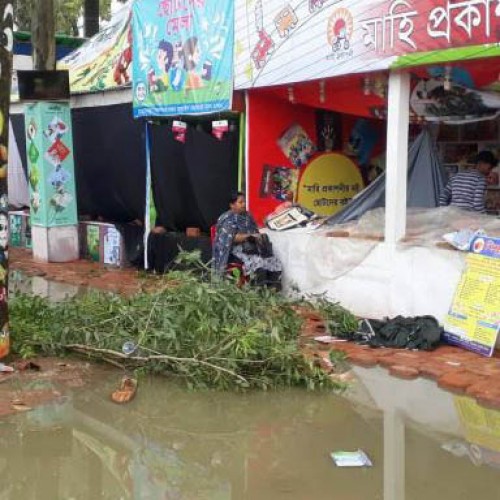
(126, 392)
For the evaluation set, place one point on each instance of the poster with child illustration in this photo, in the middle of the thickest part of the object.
(297, 146)
(182, 56)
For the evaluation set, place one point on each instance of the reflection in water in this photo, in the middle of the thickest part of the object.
(173, 444)
(19, 282)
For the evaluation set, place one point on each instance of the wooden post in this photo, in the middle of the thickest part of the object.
(398, 121)
(6, 44)
(43, 35)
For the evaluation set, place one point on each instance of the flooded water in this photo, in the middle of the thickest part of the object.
(172, 444)
(38, 285)
(425, 444)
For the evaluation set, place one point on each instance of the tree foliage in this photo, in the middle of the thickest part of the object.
(208, 334)
(68, 13)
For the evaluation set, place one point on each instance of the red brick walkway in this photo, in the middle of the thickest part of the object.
(453, 369)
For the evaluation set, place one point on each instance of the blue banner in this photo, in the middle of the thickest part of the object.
(182, 57)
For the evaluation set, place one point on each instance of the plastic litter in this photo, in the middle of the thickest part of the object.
(462, 240)
(129, 348)
(351, 459)
(327, 339)
(19, 405)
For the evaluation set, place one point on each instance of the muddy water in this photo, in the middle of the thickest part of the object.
(168, 443)
(56, 291)
(173, 444)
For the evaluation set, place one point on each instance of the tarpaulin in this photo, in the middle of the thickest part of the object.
(17, 181)
(426, 180)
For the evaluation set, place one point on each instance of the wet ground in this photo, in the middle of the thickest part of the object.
(82, 273)
(172, 444)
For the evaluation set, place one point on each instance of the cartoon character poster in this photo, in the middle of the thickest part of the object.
(182, 56)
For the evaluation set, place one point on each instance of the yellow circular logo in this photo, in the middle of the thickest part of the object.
(329, 183)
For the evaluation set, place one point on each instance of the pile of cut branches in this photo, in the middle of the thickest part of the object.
(211, 334)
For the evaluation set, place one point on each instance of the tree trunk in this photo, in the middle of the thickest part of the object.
(91, 17)
(43, 35)
(6, 42)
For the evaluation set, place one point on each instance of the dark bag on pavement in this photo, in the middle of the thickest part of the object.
(421, 332)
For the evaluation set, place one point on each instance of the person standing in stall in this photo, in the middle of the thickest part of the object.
(467, 190)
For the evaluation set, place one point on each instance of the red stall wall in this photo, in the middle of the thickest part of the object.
(269, 117)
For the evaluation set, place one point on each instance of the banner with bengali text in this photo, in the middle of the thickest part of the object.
(182, 57)
(280, 42)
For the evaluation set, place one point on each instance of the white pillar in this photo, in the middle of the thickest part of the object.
(394, 455)
(398, 121)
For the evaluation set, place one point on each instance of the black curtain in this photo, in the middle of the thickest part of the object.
(192, 182)
(110, 163)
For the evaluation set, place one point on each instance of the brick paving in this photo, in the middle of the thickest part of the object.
(453, 369)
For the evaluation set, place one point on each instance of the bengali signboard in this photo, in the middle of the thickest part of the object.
(473, 321)
(329, 183)
(279, 42)
(182, 56)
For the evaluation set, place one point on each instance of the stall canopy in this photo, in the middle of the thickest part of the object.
(426, 180)
(473, 84)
